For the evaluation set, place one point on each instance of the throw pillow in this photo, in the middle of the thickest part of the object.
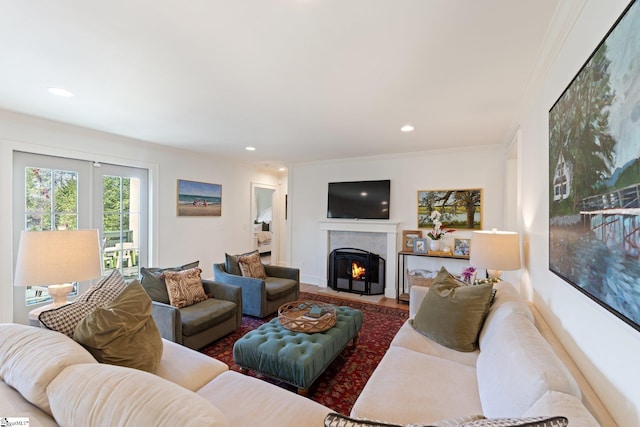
(152, 280)
(444, 274)
(337, 420)
(123, 332)
(184, 287)
(231, 265)
(64, 319)
(452, 315)
(251, 266)
(518, 422)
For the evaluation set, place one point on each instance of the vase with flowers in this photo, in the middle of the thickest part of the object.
(438, 231)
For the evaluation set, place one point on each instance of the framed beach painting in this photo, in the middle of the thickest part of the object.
(199, 198)
(594, 174)
(459, 209)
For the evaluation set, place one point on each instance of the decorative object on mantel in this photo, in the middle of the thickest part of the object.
(420, 246)
(460, 209)
(199, 199)
(593, 174)
(408, 236)
(496, 251)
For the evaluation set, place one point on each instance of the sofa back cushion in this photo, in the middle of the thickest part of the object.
(108, 395)
(516, 367)
(30, 358)
(506, 301)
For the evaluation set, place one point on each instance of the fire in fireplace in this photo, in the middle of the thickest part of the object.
(356, 270)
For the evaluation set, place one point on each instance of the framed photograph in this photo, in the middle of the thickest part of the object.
(459, 209)
(461, 247)
(199, 199)
(408, 237)
(420, 246)
(594, 175)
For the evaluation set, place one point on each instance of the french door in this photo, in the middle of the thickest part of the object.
(54, 193)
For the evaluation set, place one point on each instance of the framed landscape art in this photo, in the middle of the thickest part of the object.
(459, 209)
(594, 174)
(199, 198)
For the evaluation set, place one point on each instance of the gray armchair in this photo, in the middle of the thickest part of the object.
(199, 324)
(261, 298)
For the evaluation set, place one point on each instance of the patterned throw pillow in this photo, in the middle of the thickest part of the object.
(231, 265)
(337, 420)
(184, 287)
(251, 266)
(65, 318)
(519, 422)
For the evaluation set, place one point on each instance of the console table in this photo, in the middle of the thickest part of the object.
(402, 294)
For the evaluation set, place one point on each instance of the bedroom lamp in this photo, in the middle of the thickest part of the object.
(496, 251)
(56, 259)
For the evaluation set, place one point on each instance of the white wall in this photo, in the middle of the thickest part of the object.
(454, 169)
(174, 240)
(604, 347)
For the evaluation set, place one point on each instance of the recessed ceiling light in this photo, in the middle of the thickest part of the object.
(282, 169)
(407, 128)
(250, 148)
(60, 92)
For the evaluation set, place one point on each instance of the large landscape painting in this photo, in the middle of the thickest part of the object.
(594, 174)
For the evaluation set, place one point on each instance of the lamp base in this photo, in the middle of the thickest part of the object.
(59, 294)
(494, 275)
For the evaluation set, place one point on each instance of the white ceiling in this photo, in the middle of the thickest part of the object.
(300, 80)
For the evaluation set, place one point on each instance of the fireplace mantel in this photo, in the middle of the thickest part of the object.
(390, 229)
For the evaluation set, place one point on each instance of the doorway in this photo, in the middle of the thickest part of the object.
(264, 221)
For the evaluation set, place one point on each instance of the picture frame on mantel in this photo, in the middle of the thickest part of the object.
(459, 209)
(408, 238)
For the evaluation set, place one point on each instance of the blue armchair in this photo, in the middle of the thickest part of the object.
(261, 298)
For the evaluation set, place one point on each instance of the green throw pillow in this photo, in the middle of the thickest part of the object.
(153, 281)
(123, 332)
(231, 265)
(444, 274)
(452, 314)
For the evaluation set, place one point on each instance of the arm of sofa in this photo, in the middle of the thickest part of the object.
(168, 321)
(253, 290)
(416, 296)
(226, 292)
(283, 272)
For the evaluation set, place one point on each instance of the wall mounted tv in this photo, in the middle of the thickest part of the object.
(359, 199)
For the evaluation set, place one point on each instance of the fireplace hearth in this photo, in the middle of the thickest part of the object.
(357, 271)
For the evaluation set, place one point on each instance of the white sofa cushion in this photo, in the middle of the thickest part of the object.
(411, 339)
(409, 387)
(506, 301)
(109, 395)
(516, 367)
(567, 405)
(247, 401)
(30, 358)
(12, 404)
(188, 368)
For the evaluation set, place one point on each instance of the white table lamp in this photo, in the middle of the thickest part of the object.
(496, 251)
(56, 259)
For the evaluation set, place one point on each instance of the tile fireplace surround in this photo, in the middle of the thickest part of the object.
(376, 236)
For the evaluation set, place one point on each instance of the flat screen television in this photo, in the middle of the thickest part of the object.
(359, 199)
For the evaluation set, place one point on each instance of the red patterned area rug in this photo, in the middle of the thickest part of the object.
(340, 385)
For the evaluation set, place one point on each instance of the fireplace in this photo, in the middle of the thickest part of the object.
(356, 270)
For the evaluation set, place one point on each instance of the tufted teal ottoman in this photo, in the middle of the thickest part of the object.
(296, 358)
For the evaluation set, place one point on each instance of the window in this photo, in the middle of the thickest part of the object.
(57, 193)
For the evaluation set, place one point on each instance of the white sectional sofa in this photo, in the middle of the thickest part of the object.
(46, 374)
(50, 379)
(515, 373)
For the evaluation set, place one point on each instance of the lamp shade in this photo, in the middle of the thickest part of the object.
(495, 250)
(56, 257)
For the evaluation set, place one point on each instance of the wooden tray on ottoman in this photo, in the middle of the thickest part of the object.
(293, 316)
